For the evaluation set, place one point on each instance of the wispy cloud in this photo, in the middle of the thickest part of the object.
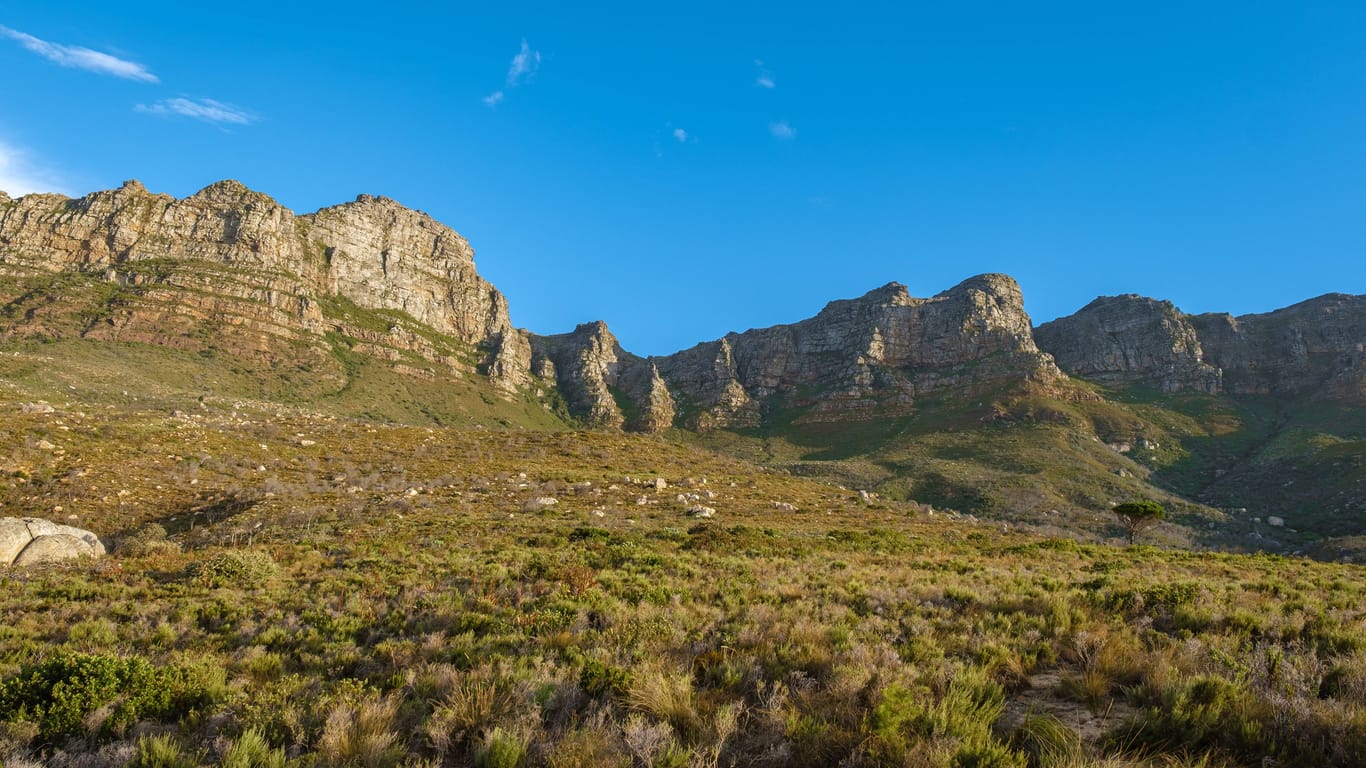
(524, 65)
(765, 78)
(681, 135)
(76, 57)
(206, 110)
(782, 130)
(520, 72)
(20, 176)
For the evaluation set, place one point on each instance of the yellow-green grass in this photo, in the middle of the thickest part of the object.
(330, 591)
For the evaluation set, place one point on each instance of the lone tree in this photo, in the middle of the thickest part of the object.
(1138, 516)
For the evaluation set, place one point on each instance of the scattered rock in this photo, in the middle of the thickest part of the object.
(539, 503)
(697, 510)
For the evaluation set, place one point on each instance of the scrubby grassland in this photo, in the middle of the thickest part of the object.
(296, 589)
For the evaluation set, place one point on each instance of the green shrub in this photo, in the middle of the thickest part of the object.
(242, 568)
(600, 680)
(63, 692)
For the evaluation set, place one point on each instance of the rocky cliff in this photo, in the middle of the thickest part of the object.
(1315, 347)
(230, 263)
(603, 385)
(1127, 339)
(231, 270)
(862, 358)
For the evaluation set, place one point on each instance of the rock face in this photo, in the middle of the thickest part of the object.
(31, 541)
(602, 384)
(237, 262)
(1315, 347)
(862, 358)
(1128, 339)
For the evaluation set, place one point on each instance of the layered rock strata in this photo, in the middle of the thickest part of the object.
(862, 358)
(236, 260)
(1316, 346)
(602, 384)
(1127, 339)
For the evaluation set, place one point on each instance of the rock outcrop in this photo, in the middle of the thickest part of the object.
(32, 541)
(862, 358)
(1314, 347)
(1128, 339)
(231, 266)
(602, 384)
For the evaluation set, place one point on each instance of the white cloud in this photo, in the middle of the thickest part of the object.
(765, 78)
(524, 65)
(782, 130)
(18, 175)
(681, 135)
(207, 110)
(77, 57)
(520, 72)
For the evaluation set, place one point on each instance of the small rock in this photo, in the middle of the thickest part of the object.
(697, 510)
(539, 503)
(1275, 522)
(784, 506)
(660, 483)
(308, 443)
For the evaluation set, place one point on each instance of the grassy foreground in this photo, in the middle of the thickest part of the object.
(297, 589)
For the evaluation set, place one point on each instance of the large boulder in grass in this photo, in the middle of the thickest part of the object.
(33, 541)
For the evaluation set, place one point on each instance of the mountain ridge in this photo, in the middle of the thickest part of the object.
(957, 397)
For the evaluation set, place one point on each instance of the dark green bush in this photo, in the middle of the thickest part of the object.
(600, 680)
(61, 693)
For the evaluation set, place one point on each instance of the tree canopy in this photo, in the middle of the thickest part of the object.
(1138, 516)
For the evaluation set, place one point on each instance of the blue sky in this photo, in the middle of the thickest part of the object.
(689, 170)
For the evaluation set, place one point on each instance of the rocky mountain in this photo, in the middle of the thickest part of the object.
(1128, 339)
(374, 310)
(229, 266)
(233, 269)
(603, 384)
(1314, 347)
(864, 358)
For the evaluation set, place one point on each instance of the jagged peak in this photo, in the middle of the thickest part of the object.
(230, 191)
(1101, 302)
(378, 205)
(891, 293)
(381, 200)
(595, 327)
(995, 283)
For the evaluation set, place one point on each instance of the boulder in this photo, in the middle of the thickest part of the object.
(33, 541)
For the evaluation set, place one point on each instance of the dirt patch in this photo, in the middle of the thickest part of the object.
(1041, 698)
